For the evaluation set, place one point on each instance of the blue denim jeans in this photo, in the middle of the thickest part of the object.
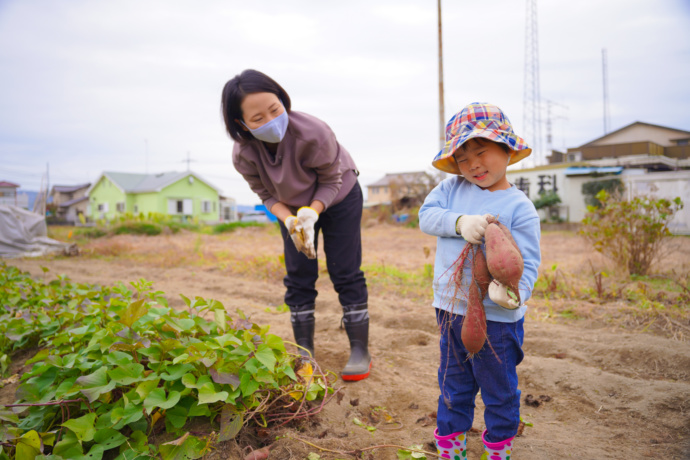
(493, 371)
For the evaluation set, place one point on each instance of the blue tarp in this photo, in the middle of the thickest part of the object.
(587, 170)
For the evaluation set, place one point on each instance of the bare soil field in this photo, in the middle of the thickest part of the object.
(606, 373)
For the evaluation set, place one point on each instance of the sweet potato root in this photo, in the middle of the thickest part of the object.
(503, 257)
(473, 333)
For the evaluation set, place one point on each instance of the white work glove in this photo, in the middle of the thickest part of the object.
(306, 219)
(499, 294)
(472, 227)
(295, 231)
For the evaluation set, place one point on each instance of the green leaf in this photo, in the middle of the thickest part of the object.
(28, 446)
(144, 388)
(177, 416)
(134, 311)
(219, 318)
(176, 371)
(83, 427)
(69, 446)
(109, 438)
(94, 385)
(157, 398)
(186, 447)
(231, 421)
(266, 356)
(248, 384)
(129, 413)
(208, 394)
(127, 374)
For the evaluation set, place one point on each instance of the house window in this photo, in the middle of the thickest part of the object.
(103, 207)
(120, 207)
(136, 209)
(180, 207)
(206, 206)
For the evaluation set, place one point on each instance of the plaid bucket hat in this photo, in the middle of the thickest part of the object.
(479, 120)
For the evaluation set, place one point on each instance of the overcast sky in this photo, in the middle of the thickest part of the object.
(134, 86)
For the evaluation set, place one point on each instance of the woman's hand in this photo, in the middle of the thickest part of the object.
(296, 233)
(306, 219)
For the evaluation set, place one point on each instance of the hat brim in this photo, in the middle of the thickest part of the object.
(444, 159)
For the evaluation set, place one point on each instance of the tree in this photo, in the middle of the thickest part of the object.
(409, 190)
(630, 232)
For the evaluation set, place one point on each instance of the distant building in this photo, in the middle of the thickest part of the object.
(184, 196)
(649, 160)
(410, 186)
(634, 139)
(228, 209)
(10, 196)
(70, 201)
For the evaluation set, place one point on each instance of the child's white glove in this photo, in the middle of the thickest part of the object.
(307, 218)
(472, 227)
(499, 294)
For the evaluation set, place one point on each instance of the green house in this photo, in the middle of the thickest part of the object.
(183, 195)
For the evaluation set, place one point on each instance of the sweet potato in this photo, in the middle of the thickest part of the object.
(503, 257)
(473, 333)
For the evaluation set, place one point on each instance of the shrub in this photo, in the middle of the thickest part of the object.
(591, 189)
(232, 226)
(138, 228)
(631, 233)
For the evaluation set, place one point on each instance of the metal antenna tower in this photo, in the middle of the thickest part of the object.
(604, 68)
(531, 102)
(549, 123)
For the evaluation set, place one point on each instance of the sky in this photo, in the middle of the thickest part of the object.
(88, 86)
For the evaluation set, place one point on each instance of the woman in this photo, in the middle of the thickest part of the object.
(294, 163)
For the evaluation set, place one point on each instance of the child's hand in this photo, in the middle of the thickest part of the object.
(500, 295)
(472, 227)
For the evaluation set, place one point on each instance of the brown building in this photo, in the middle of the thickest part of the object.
(636, 139)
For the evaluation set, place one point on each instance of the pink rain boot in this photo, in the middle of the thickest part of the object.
(453, 446)
(501, 450)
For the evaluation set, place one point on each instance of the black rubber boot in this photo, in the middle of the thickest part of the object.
(359, 364)
(303, 323)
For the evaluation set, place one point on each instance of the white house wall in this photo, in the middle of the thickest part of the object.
(569, 189)
(667, 185)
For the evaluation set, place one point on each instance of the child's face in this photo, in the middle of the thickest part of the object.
(484, 163)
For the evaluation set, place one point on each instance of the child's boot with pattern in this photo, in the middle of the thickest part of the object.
(453, 446)
(502, 450)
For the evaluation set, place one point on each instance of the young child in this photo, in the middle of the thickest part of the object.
(480, 144)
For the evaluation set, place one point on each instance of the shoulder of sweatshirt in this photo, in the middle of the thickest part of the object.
(308, 128)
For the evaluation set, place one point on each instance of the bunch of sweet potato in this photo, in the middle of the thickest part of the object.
(503, 263)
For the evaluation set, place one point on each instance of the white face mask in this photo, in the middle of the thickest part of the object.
(273, 131)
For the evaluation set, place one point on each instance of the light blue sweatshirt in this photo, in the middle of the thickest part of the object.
(454, 197)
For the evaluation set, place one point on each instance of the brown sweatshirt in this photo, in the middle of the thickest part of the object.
(309, 165)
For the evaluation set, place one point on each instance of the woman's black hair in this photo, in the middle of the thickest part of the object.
(248, 82)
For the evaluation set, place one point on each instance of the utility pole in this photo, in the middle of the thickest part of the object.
(441, 107)
(188, 160)
(604, 68)
(531, 109)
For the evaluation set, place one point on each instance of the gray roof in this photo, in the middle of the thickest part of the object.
(69, 203)
(140, 183)
(70, 188)
(407, 178)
